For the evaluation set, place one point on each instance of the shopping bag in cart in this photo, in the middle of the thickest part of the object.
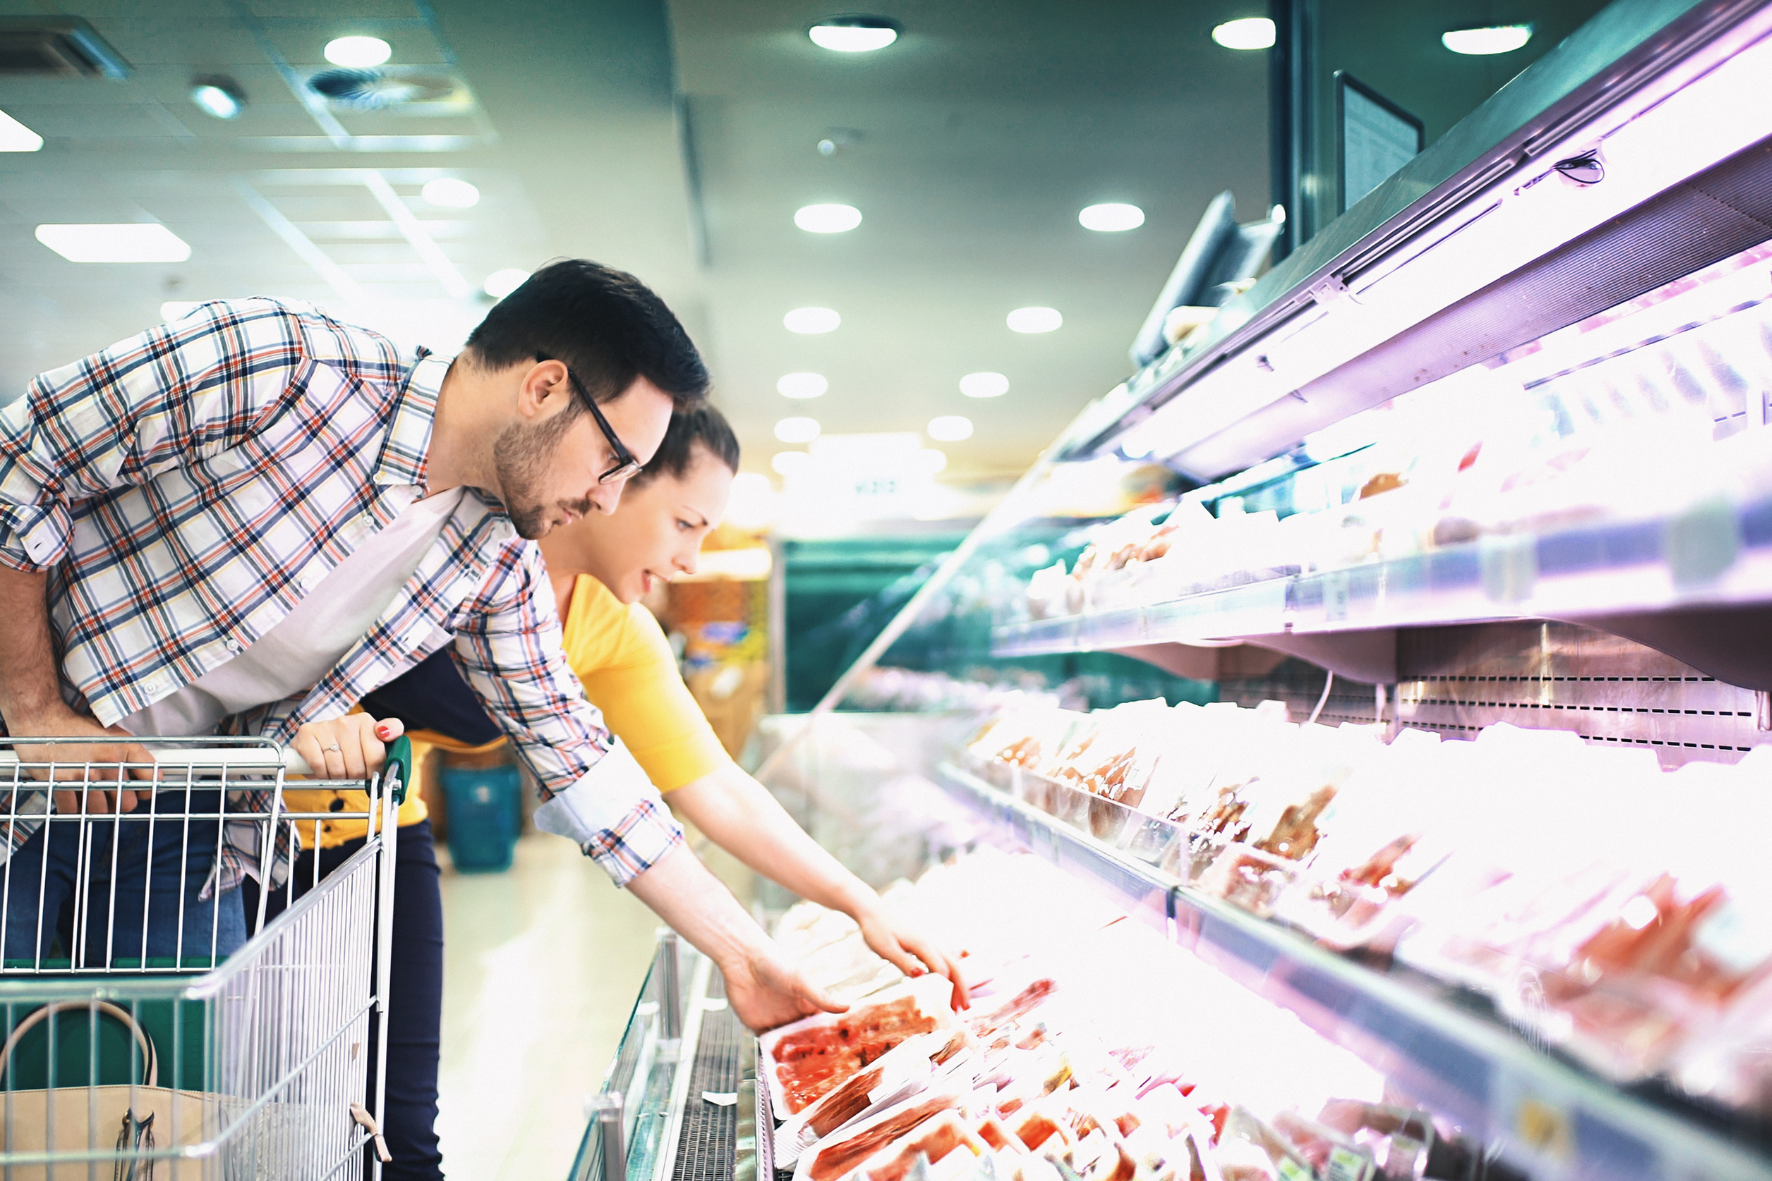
(125, 1127)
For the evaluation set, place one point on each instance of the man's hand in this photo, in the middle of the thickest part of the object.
(31, 701)
(766, 991)
(908, 951)
(65, 723)
(351, 747)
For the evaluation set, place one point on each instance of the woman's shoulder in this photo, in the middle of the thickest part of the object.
(601, 630)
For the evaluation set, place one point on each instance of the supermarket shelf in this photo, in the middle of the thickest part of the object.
(1711, 563)
(1547, 1117)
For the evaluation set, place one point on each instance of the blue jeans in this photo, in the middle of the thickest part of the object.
(141, 874)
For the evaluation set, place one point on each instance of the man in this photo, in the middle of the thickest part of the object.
(251, 518)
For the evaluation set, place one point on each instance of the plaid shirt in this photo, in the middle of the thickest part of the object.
(187, 487)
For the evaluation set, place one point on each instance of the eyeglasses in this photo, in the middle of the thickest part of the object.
(625, 463)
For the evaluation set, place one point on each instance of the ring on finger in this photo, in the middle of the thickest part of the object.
(334, 748)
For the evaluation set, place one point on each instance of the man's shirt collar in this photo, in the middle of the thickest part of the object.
(408, 442)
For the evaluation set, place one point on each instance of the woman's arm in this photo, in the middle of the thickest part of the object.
(738, 814)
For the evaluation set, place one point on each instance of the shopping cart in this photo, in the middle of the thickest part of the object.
(140, 1043)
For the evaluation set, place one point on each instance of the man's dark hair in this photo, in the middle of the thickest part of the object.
(605, 325)
(703, 425)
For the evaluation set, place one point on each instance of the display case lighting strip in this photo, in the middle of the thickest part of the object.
(1690, 121)
(1478, 1074)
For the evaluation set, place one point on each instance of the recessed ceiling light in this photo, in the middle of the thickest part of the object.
(219, 98)
(935, 459)
(950, 428)
(16, 137)
(811, 321)
(1035, 320)
(984, 385)
(853, 34)
(1482, 42)
(827, 219)
(797, 430)
(501, 283)
(1252, 32)
(127, 242)
(359, 52)
(450, 193)
(1111, 218)
(802, 385)
(786, 463)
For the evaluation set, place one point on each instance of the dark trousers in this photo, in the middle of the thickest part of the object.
(142, 876)
(415, 995)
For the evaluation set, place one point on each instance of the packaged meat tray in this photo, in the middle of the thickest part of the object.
(809, 1058)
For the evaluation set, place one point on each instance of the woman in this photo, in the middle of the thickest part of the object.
(599, 568)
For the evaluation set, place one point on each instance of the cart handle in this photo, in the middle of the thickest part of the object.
(235, 758)
(396, 769)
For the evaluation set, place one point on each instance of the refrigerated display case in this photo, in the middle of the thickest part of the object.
(1470, 522)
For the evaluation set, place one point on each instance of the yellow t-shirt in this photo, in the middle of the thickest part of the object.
(629, 672)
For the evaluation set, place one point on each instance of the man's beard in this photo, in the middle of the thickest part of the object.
(522, 456)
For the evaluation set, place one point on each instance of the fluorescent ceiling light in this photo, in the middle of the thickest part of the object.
(950, 428)
(16, 137)
(501, 283)
(126, 242)
(1482, 42)
(1252, 32)
(984, 385)
(853, 34)
(811, 321)
(451, 193)
(797, 430)
(1035, 320)
(827, 219)
(786, 463)
(802, 385)
(218, 98)
(1111, 218)
(358, 51)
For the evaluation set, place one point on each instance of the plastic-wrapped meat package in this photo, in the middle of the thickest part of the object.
(1678, 948)
(841, 1154)
(901, 1072)
(809, 1058)
(1390, 824)
(945, 1147)
(1250, 1150)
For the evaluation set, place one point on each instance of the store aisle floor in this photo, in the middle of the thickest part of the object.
(542, 965)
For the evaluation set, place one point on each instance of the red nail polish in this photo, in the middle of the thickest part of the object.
(384, 732)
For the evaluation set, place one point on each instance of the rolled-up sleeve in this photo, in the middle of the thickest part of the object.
(509, 649)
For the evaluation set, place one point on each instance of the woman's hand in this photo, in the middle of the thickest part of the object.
(908, 951)
(351, 747)
(766, 991)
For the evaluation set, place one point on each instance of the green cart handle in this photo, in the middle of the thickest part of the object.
(398, 768)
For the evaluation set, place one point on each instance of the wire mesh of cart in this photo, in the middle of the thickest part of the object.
(147, 1036)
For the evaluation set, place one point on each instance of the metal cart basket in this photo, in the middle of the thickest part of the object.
(146, 1037)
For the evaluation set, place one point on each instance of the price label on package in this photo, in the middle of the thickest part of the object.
(1347, 1165)
(1701, 542)
(1335, 596)
(1509, 566)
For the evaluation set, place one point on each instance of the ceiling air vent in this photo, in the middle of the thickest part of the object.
(369, 90)
(59, 46)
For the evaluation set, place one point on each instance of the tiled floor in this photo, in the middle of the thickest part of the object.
(542, 965)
